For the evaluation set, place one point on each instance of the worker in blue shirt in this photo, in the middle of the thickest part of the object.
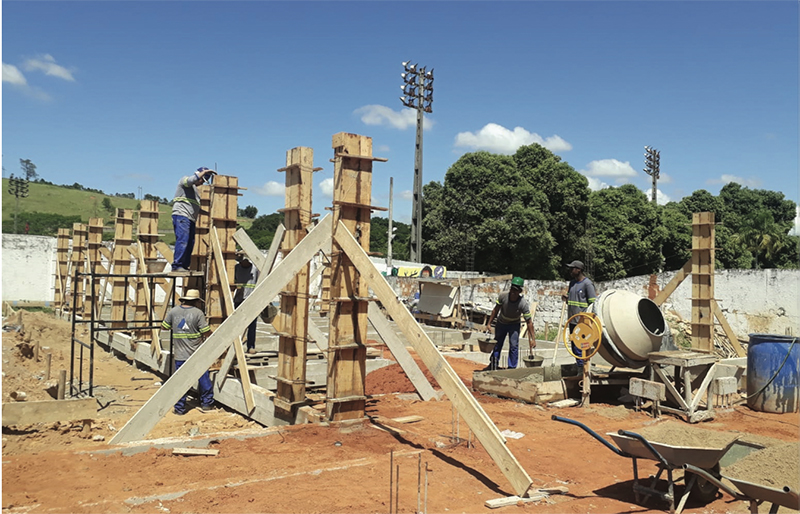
(580, 295)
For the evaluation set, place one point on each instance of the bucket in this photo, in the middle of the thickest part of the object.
(486, 345)
(534, 361)
(773, 364)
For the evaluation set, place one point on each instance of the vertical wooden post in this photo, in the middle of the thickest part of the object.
(146, 253)
(202, 241)
(352, 177)
(95, 264)
(224, 207)
(62, 257)
(79, 233)
(703, 255)
(291, 379)
(121, 265)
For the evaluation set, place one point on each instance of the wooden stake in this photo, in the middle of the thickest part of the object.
(62, 384)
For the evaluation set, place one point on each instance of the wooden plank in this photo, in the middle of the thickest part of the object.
(710, 373)
(228, 298)
(467, 281)
(671, 388)
(48, 411)
(398, 349)
(195, 451)
(154, 336)
(250, 249)
(727, 329)
(165, 251)
(673, 284)
(535, 496)
(151, 412)
(408, 419)
(474, 415)
(319, 337)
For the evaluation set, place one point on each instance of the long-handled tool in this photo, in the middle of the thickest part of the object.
(560, 333)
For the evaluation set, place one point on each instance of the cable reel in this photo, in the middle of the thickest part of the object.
(586, 336)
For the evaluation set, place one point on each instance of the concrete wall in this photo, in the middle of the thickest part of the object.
(754, 301)
(28, 268)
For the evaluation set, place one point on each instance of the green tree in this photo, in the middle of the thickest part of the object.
(378, 238)
(44, 223)
(263, 229)
(107, 205)
(28, 168)
(626, 233)
(761, 236)
(486, 206)
(567, 201)
(248, 212)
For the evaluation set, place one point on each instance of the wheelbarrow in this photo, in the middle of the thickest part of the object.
(755, 494)
(669, 458)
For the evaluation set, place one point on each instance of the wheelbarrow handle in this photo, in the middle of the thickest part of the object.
(714, 480)
(647, 445)
(591, 433)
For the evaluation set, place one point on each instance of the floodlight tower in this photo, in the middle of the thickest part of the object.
(652, 161)
(417, 94)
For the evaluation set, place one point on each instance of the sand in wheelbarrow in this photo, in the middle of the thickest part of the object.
(680, 434)
(775, 467)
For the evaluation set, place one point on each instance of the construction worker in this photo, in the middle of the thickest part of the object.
(189, 329)
(245, 276)
(580, 294)
(510, 308)
(185, 208)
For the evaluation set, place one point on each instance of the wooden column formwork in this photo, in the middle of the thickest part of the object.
(703, 255)
(291, 379)
(202, 241)
(79, 233)
(95, 260)
(223, 211)
(146, 255)
(121, 265)
(347, 351)
(62, 267)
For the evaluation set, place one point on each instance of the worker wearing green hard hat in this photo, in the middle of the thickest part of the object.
(510, 309)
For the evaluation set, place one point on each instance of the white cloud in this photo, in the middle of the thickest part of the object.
(727, 179)
(661, 196)
(382, 148)
(12, 75)
(388, 117)
(595, 184)
(664, 178)
(407, 195)
(327, 187)
(498, 139)
(271, 188)
(795, 231)
(47, 64)
(609, 168)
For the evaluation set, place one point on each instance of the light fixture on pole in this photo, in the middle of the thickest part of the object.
(18, 187)
(417, 94)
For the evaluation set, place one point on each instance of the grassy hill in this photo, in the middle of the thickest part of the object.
(45, 198)
(51, 199)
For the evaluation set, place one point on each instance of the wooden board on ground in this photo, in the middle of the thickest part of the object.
(48, 411)
(537, 495)
(194, 451)
(527, 389)
(408, 419)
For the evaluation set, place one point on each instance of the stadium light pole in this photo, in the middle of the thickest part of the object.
(417, 94)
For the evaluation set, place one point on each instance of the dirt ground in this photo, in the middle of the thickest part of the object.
(61, 467)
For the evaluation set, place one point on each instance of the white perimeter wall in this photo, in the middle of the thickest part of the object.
(753, 301)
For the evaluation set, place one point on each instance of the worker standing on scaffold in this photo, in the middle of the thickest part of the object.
(511, 307)
(185, 208)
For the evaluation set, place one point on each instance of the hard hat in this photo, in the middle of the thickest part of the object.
(518, 282)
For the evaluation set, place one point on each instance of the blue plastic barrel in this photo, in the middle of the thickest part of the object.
(773, 364)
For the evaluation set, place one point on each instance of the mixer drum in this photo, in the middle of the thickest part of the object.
(632, 328)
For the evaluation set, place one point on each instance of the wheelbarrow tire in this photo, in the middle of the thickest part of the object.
(703, 490)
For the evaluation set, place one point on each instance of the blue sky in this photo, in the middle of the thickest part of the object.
(122, 95)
